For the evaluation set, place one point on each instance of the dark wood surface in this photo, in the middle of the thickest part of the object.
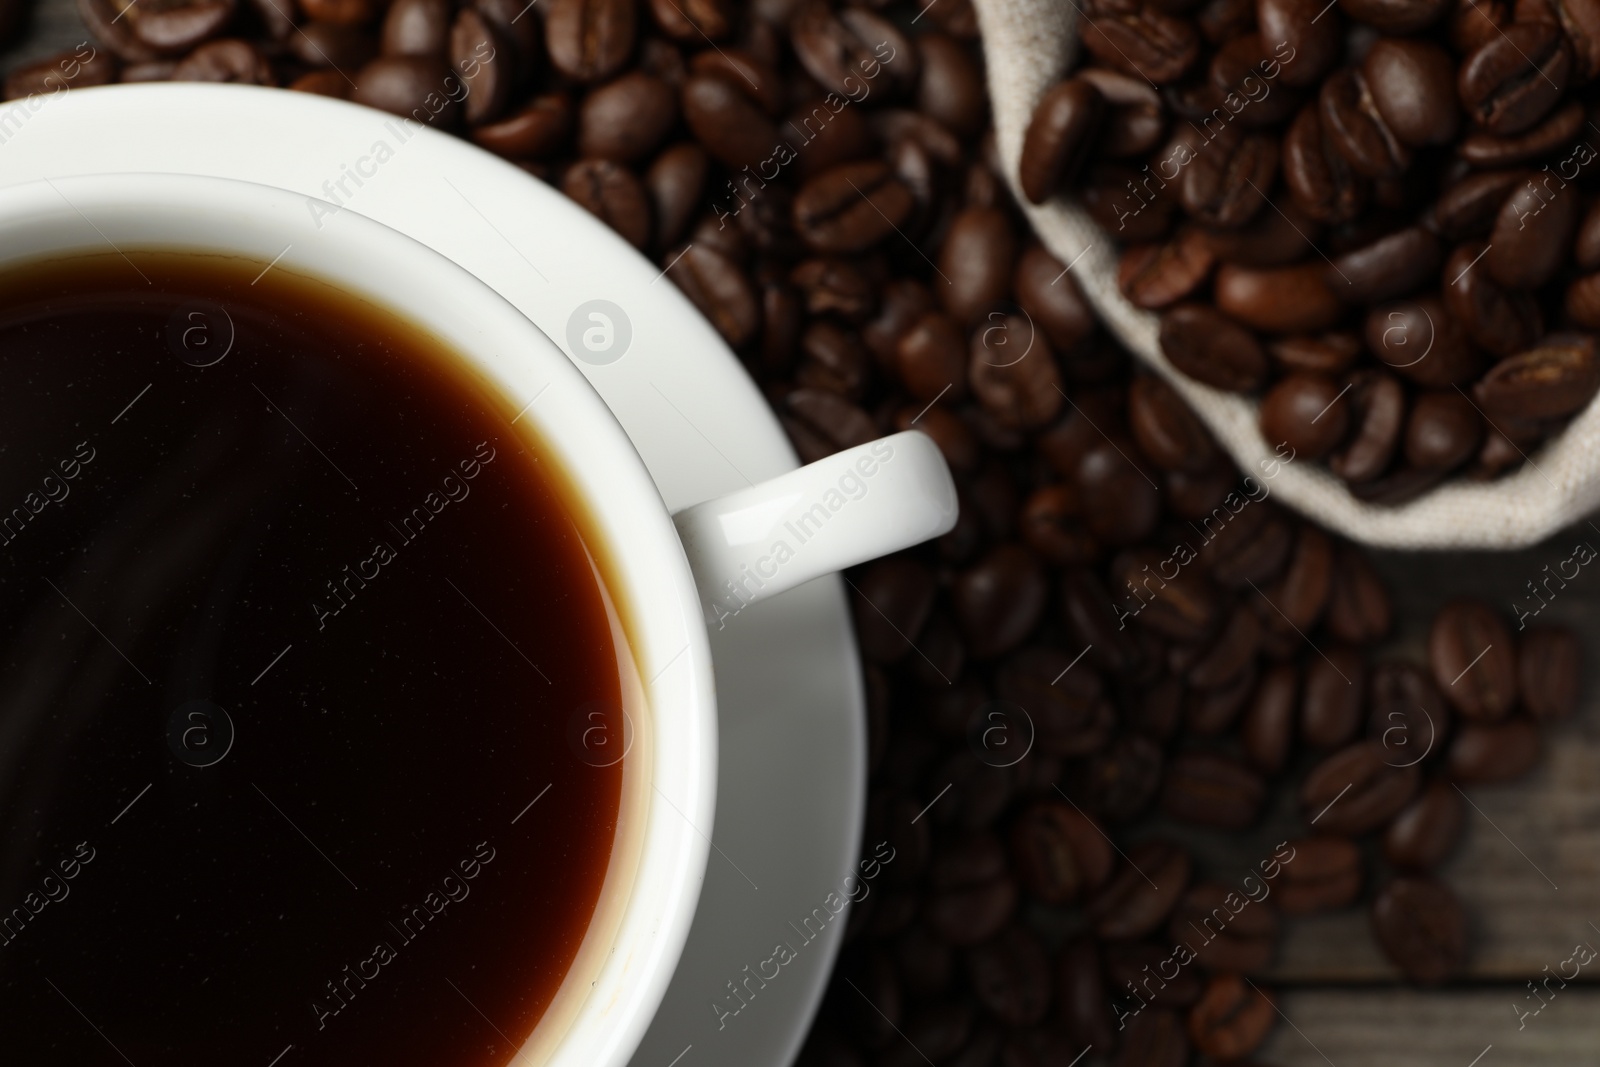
(1528, 868)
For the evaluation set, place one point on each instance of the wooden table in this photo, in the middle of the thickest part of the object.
(1528, 867)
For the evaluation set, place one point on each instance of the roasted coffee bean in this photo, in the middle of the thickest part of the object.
(1355, 790)
(1557, 130)
(1236, 932)
(590, 40)
(1532, 234)
(1206, 345)
(1394, 16)
(1166, 429)
(1231, 1019)
(1323, 353)
(950, 89)
(714, 283)
(612, 194)
(83, 67)
(1154, 276)
(1392, 266)
(1121, 200)
(851, 207)
(1306, 412)
(1468, 208)
(1183, 608)
(1377, 404)
(1499, 320)
(835, 359)
(627, 119)
(325, 44)
(1069, 716)
(675, 182)
(1510, 82)
(418, 87)
(1058, 853)
(1087, 609)
(1423, 835)
(1135, 120)
(1474, 660)
(1358, 606)
(1211, 711)
(1052, 524)
(1013, 374)
(1212, 790)
(1140, 41)
(1556, 379)
(1239, 69)
(1136, 967)
(1351, 122)
(999, 600)
(693, 21)
(416, 28)
(1064, 125)
(1081, 1001)
(844, 49)
(1296, 600)
(932, 359)
(1049, 295)
(1493, 752)
(1308, 44)
(1197, 496)
(1010, 976)
(1249, 548)
(240, 62)
(1119, 783)
(729, 124)
(896, 597)
(1443, 430)
(1547, 672)
(172, 29)
(1422, 341)
(1269, 721)
(976, 263)
(1324, 874)
(537, 131)
(320, 82)
(1422, 929)
(1130, 906)
(1409, 720)
(1296, 299)
(1322, 182)
(340, 12)
(1335, 691)
(1226, 184)
(1412, 84)
(1582, 303)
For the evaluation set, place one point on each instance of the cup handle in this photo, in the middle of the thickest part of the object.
(852, 506)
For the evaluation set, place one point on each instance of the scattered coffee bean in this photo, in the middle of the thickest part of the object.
(1422, 929)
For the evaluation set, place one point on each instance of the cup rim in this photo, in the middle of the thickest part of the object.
(603, 1023)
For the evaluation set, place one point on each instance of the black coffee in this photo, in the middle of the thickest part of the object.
(296, 626)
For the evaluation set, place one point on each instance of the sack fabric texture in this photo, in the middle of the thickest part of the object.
(1028, 46)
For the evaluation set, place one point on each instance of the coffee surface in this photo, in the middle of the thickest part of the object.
(309, 697)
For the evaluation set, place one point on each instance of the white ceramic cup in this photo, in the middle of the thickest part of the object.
(673, 575)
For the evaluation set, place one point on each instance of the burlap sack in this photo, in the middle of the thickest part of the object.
(1030, 44)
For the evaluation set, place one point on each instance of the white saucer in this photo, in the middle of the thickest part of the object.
(793, 745)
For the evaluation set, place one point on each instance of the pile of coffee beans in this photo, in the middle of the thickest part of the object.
(1378, 215)
(1119, 635)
